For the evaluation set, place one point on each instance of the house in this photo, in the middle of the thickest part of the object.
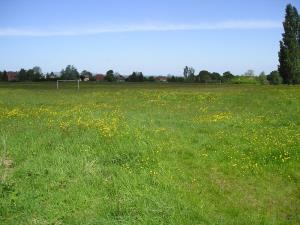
(161, 79)
(99, 77)
(52, 76)
(12, 76)
(85, 78)
(120, 78)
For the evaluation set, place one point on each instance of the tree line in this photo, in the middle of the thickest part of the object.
(288, 69)
(189, 76)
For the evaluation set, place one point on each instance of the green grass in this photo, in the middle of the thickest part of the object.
(149, 154)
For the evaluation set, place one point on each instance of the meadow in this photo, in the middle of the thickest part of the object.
(149, 154)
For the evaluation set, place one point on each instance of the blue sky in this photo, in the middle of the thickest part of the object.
(152, 36)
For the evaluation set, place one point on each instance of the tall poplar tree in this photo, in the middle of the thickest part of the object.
(289, 54)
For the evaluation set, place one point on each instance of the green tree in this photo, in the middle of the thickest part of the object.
(37, 73)
(4, 76)
(185, 72)
(37, 70)
(51, 76)
(151, 78)
(289, 54)
(249, 73)
(136, 77)
(215, 76)
(274, 78)
(22, 75)
(30, 74)
(70, 73)
(203, 76)
(132, 77)
(262, 78)
(110, 76)
(227, 76)
(140, 77)
(189, 73)
(171, 79)
(175, 79)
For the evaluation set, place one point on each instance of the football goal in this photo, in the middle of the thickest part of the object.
(59, 83)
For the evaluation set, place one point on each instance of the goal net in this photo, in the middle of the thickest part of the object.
(67, 84)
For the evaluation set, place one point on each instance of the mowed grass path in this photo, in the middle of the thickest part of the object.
(149, 154)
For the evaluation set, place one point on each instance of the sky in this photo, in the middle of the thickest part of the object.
(156, 37)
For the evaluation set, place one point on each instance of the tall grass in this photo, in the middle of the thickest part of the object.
(149, 154)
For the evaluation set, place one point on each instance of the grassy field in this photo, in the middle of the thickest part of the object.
(149, 154)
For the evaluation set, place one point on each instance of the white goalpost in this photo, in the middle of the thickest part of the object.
(57, 83)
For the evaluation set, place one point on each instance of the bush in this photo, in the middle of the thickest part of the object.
(227, 76)
(175, 79)
(136, 77)
(274, 78)
(243, 80)
(110, 77)
(262, 78)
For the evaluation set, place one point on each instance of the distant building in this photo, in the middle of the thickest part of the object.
(161, 79)
(12, 76)
(85, 78)
(120, 78)
(99, 77)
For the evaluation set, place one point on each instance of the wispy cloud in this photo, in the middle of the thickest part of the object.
(146, 27)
